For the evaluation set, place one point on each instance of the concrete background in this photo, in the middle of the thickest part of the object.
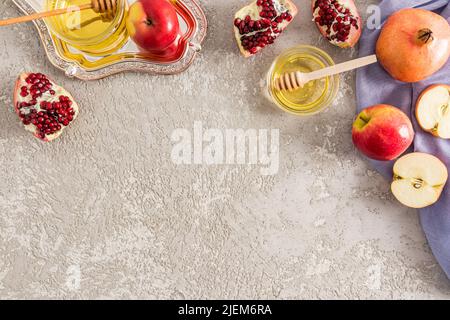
(106, 203)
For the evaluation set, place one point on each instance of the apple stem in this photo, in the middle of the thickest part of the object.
(366, 121)
(148, 22)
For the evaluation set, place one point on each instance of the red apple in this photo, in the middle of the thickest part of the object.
(382, 132)
(153, 25)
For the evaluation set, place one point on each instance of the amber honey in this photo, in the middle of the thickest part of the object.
(87, 30)
(315, 95)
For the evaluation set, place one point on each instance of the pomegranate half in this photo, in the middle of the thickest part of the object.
(413, 44)
(44, 108)
(338, 21)
(260, 23)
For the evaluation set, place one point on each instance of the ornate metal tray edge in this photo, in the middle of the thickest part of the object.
(72, 69)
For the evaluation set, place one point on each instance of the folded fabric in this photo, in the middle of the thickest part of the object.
(435, 219)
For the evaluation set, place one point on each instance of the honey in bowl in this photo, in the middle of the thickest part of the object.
(315, 95)
(87, 30)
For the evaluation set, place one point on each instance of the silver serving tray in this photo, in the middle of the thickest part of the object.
(73, 68)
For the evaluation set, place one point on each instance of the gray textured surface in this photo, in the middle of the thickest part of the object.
(107, 201)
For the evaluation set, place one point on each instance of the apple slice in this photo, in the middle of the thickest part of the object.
(419, 179)
(433, 110)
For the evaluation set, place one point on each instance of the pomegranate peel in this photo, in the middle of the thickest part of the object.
(44, 108)
(338, 21)
(258, 24)
(419, 50)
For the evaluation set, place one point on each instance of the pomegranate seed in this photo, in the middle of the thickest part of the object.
(332, 16)
(260, 32)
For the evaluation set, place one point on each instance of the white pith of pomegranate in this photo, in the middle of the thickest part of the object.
(338, 21)
(260, 23)
(44, 108)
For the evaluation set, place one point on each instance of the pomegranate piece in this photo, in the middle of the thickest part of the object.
(338, 21)
(413, 44)
(260, 23)
(44, 108)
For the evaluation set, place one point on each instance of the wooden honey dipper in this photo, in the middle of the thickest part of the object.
(106, 7)
(293, 80)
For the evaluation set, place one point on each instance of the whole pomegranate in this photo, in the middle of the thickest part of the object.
(338, 21)
(44, 108)
(413, 44)
(260, 23)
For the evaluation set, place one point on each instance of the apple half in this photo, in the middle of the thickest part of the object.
(433, 110)
(419, 179)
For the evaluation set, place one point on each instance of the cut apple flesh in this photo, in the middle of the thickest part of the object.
(419, 179)
(433, 111)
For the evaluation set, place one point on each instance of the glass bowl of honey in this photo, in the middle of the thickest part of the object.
(315, 95)
(86, 30)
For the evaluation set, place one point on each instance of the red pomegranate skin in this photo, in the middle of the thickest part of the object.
(407, 56)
